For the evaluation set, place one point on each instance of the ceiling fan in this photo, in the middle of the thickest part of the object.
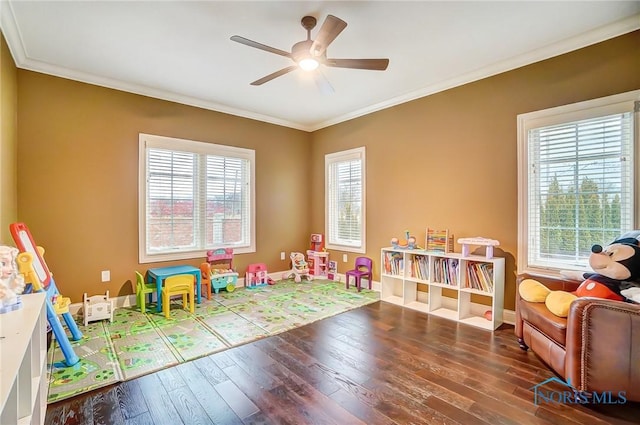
(309, 54)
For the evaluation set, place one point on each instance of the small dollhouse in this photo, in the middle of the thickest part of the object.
(256, 275)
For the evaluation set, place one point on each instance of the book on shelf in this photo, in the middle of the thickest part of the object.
(480, 276)
(445, 271)
(393, 263)
(420, 267)
(439, 241)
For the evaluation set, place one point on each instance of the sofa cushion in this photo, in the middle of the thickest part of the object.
(558, 302)
(542, 319)
(533, 291)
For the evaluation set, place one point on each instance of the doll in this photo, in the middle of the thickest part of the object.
(11, 282)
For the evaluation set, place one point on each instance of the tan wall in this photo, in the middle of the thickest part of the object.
(78, 177)
(450, 160)
(8, 142)
(445, 161)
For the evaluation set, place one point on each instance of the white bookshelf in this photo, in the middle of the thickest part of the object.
(23, 362)
(449, 282)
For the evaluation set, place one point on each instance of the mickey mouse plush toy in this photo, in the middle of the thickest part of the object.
(616, 277)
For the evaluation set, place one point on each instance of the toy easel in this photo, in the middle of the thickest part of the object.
(32, 265)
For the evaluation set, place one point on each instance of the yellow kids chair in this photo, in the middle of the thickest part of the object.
(142, 289)
(181, 284)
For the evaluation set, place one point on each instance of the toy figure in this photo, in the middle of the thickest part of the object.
(410, 242)
(11, 282)
(616, 277)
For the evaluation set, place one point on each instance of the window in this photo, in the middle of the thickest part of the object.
(345, 200)
(577, 181)
(194, 197)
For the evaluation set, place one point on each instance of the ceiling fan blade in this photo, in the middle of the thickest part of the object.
(330, 29)
(371, 64)
(260, 46)
(323, 84)
(274, 75)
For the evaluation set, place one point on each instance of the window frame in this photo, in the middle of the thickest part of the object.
(334, 158)
(618, 103)
(183, 145)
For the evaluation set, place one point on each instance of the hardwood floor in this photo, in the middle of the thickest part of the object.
(379, 364)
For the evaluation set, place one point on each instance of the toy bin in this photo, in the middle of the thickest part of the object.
(228, 281)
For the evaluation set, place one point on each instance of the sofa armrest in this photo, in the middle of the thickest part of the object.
(603, 346)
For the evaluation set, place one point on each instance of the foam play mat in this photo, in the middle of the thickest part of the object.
(138, 343)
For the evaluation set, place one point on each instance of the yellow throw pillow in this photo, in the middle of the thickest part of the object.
(558, 302)
(533, 291)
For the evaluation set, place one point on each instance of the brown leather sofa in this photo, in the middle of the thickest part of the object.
(596, 348)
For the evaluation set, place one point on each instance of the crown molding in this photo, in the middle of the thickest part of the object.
(564, 46)
(21, 57)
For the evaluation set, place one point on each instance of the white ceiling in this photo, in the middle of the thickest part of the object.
(181, 51)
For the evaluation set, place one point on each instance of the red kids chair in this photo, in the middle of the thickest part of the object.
(362, 269)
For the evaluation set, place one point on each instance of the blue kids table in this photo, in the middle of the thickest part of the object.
(161, 273)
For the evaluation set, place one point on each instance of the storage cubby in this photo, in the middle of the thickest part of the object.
(454, 284)
(23, 352)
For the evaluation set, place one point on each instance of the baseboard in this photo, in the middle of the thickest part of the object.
(508, 316)
(124, 301)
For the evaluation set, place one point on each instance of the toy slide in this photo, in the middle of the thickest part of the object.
(32, 265)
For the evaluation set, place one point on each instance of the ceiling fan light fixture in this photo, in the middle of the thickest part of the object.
(308, 64)
(309, 54)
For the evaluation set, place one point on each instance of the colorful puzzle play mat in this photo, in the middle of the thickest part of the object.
(135, 344)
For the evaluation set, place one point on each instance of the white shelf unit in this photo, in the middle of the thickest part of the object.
(23, 362)
(463, 276)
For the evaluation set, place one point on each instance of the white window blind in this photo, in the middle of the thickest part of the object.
(194, 197)
(345, 200)
(580, 184)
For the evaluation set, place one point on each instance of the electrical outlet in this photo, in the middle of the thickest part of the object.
(282, 255)
(106, 275)
(344, 258)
